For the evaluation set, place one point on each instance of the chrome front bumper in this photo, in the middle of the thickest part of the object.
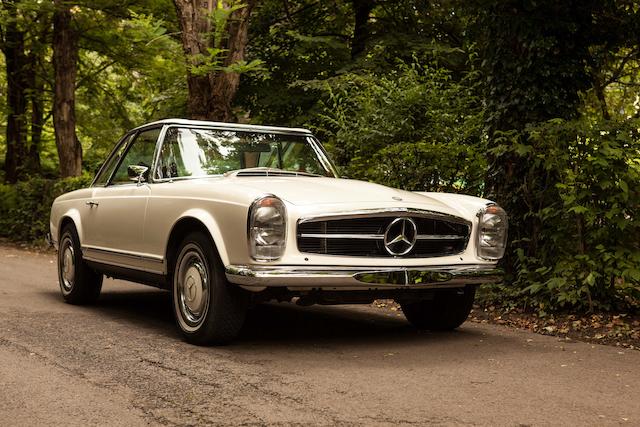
(299, 277)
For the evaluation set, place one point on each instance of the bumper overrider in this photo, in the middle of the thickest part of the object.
(298, 277)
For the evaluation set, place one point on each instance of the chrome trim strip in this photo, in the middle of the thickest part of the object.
(342, 236)
(122, 265)
(440, 237)
(135, 255)
(386, 212)
(379, 236)
(363, 277)
(147, 263)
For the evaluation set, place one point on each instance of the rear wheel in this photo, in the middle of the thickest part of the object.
(208, 310)
(79, 284)
(448, 309)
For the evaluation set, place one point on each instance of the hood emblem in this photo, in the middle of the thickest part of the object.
(400, 236)
(397, 199)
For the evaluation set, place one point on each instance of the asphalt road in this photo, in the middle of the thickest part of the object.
(122, 362)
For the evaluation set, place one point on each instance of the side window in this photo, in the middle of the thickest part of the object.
(140, 153)
(112, 162)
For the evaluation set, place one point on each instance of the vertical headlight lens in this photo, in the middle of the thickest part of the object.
(267, 229)
(492, 232)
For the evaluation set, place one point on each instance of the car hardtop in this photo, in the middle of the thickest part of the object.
(223, 126)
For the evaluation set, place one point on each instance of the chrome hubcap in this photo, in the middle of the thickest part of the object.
(67, 265)
(192, 288)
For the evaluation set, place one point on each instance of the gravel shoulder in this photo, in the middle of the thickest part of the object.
(122, 362)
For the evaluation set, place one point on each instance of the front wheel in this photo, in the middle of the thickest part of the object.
(208, 310)
(79, 284)
(448, 309)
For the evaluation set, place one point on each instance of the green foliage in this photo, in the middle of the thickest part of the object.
(415, 128)
(25, 206)
(534, 104)
(131, 72)
(587, 244)
(295, 48)
(566, 176)
(214, 60)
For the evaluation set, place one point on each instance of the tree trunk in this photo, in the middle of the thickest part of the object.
(225, 85)
(65, 65)
(36, 87)
(15, 61)
(362, 10)
(211, 95)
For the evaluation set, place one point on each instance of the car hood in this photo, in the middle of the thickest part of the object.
(317, 191)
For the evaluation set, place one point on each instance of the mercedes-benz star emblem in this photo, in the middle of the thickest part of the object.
(400, 236)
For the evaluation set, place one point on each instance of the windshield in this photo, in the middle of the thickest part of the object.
(188, 152)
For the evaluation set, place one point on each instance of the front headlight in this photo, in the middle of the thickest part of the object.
(492, 232)
(267, 228)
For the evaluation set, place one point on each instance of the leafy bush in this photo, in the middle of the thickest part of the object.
(587, 252)
(415, 128)
(25, 206)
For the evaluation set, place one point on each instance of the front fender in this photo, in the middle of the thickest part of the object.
(57, 218)
(212, 226)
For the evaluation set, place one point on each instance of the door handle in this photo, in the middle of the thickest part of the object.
(91, 204)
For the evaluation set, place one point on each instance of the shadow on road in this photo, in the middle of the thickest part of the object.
(273, 324)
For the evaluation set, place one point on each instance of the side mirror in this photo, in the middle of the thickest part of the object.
(137, 173)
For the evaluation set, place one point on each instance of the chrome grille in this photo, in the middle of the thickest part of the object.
(364, 236)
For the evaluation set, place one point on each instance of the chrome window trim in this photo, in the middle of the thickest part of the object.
(156, 157)
(308, 138)
(324, 158)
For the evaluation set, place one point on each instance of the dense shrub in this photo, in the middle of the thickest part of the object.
(586, 253)
(415, 128)
(579, 189)
(25, 206)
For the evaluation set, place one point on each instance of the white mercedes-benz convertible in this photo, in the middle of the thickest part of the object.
(226, 215)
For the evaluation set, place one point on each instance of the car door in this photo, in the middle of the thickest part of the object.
(115, 215)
